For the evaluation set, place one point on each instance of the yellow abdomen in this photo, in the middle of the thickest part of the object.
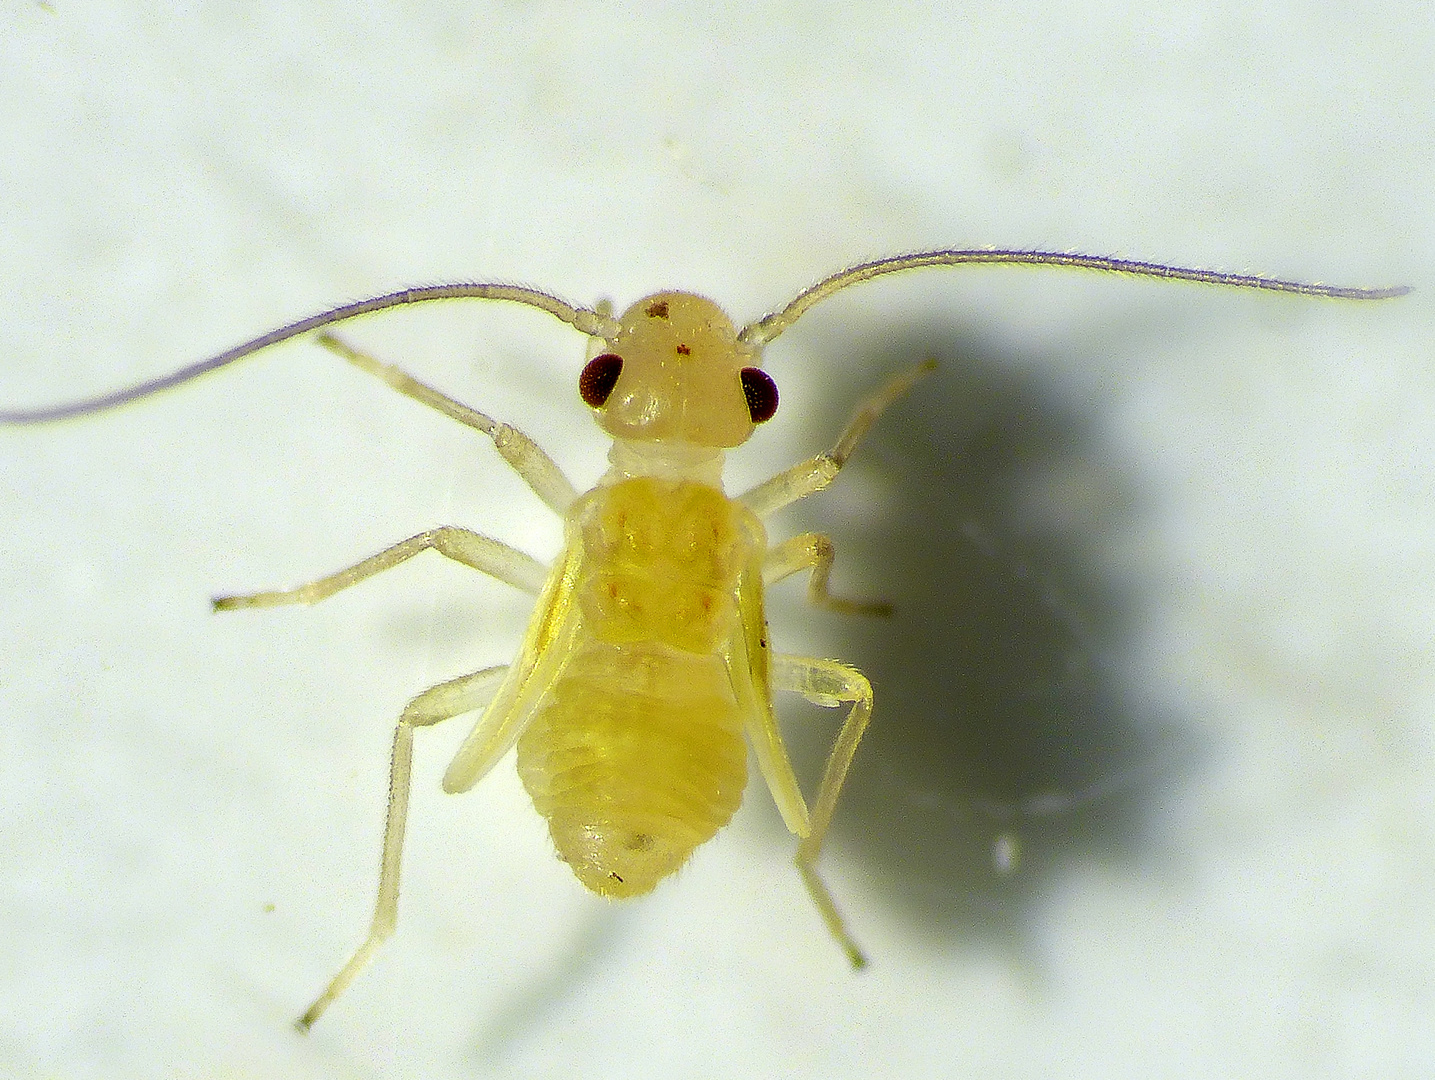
(636, 755)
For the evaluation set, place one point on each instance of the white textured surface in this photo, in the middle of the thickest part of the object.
(1252, 479)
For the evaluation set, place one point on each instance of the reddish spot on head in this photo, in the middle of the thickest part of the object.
(679, 379)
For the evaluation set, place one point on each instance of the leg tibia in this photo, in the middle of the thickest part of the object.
(814, 552)
(536, 468)
(814, 474)
(439, 703)
(486, 555)
(830, 684)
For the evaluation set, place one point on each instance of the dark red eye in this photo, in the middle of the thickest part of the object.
(599, 377)
(761, 393)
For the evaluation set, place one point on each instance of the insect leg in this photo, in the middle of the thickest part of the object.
(814, 552)
(453, 698)
(830, 684)
(486, 555)
(814, 474)
(536, 468)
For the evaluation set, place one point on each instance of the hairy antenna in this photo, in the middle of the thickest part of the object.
(597, 323)
(582, 319)
(762, 331)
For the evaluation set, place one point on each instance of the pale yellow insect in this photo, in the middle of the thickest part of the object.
(646, 668)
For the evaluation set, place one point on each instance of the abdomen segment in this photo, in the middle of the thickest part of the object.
(636, 758)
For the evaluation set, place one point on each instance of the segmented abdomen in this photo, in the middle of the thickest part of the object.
(637, 758)
(636, 755)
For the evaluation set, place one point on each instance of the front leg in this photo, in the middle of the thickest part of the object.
(814, 474)
(539, 471)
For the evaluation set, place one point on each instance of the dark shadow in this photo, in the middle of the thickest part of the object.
(534, 1005)
(1003, 745)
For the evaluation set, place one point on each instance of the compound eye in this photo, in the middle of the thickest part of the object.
(761, 393)
(599, 377)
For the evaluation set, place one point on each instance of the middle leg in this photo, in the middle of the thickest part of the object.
(482, 553)
(815, 552)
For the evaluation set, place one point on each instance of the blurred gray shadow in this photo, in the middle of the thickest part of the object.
(535, 1005)
(1003, 747)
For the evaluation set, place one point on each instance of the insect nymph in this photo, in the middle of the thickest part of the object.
(646, 671)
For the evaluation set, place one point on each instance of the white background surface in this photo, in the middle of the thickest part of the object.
(1162, 554)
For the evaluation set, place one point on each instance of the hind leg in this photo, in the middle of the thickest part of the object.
(453, 698)
(830, 684)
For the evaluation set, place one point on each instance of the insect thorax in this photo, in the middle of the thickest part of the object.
(636, 755)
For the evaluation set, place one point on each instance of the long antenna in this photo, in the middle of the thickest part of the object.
(762, 331)
(582, 319)
(600, 324)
